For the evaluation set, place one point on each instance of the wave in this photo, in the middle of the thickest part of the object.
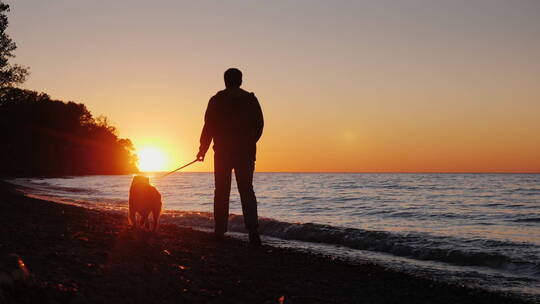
(71, 189)
(49, 187)
(528, 220)
(416, 246)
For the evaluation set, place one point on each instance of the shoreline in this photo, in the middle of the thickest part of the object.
(82, 255)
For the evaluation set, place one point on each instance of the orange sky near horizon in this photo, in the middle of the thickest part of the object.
(363, 86)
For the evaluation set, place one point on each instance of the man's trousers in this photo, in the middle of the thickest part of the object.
(243, 170)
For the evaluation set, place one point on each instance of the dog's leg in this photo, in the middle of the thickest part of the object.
(155, 215)
(132, 218)
(144, 221)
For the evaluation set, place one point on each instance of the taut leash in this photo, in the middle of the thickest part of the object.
(179, 168)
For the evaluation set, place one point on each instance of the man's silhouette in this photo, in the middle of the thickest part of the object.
(234, 121)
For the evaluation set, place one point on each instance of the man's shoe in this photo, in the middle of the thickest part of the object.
(255, 239)
(219, 236)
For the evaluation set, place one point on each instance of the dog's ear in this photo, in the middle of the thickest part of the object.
(141, 180)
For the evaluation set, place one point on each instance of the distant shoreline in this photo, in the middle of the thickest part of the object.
(86, 256)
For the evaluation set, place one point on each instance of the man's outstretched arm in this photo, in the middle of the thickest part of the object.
(207, 132)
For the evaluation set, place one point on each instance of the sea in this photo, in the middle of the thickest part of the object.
(477, 230)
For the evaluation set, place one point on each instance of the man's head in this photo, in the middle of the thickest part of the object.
(233, 78)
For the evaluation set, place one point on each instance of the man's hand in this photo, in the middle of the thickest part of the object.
(200, 156)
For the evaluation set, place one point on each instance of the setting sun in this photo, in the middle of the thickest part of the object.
(151, 159)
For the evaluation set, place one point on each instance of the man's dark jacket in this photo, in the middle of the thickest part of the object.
(234, 120)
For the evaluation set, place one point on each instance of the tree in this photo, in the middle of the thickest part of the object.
(41, 136)
(10, 74)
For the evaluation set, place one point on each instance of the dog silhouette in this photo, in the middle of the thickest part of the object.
(144, 199)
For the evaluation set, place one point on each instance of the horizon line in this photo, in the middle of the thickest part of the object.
(375, 172)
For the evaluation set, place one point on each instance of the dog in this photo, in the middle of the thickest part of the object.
(143, 199)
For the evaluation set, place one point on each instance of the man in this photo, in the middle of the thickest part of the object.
(234, 120)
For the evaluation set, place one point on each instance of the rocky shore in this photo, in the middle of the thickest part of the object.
(77, 255)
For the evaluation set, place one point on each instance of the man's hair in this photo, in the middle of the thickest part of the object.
(233, 78)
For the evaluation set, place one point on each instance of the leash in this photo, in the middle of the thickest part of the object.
(179, 168)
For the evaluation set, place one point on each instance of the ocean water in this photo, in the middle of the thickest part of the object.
(479, 230)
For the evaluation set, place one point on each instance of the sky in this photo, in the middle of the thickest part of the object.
(345, 86)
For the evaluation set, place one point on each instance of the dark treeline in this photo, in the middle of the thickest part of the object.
(40, 136)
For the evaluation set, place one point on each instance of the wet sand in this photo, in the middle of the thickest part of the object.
(77, 255)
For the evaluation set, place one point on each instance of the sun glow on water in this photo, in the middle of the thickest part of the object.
(151, 159)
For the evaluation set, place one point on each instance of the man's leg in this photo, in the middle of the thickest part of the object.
(222, 180)
(243, 171)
